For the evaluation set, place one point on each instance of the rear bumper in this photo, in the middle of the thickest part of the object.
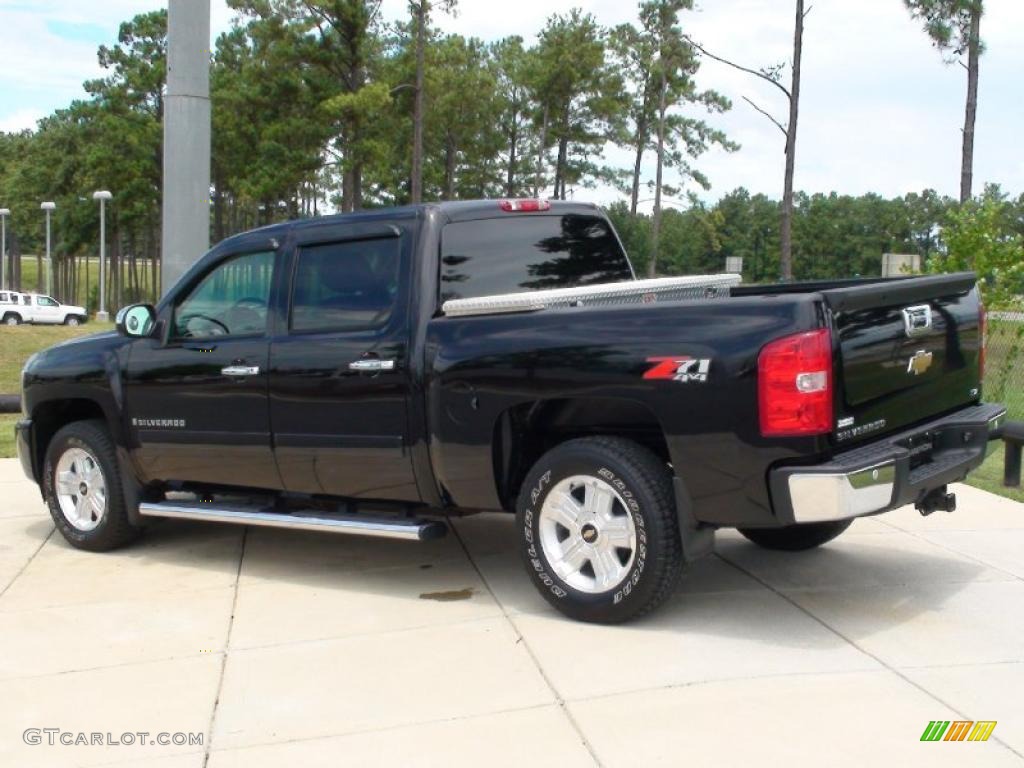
(23, 442)
(900, 469)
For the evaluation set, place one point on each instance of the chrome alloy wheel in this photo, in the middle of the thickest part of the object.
(587, 534)
(81, 489)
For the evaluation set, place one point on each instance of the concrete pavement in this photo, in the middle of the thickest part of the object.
(291, 648)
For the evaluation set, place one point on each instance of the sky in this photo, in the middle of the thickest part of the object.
(880, 111)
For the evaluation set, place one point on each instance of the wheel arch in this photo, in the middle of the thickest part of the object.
(50, 416)
(525, 432)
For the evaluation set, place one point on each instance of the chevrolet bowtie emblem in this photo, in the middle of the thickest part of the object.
(920, 362)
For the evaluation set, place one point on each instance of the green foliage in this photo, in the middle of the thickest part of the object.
(313, 112)
(947, 22)
(984, 235)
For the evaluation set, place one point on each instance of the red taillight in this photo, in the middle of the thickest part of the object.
(524, 206)
(794, 385)
(983, 341)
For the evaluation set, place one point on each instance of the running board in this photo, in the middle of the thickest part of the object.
(410, 529)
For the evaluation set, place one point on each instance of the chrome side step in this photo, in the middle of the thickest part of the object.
(411, 529)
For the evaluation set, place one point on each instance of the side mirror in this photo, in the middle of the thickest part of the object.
(136, 320)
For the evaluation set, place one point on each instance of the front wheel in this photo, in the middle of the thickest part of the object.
(72, 321)
(82, 487)
(598, 529)
(795, 538)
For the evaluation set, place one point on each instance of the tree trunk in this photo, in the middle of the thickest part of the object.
(450, 156)
(560, 168)
(652, 266)
(87, 291)
(513, 147)
(357, 189)
(971, 111)
(786, 265)
(15, 262)
(540, 154)
(641, 142)
(348, 187)
(416, 182)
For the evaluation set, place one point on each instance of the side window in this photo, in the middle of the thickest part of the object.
(348, 286)
(26, 300)
(230, 301)
(3, 298)
(45, 301)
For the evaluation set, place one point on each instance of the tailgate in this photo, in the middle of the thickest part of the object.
(908, 351)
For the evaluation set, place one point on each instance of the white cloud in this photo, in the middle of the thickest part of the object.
(20, 120)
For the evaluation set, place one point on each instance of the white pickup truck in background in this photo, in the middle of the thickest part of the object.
(17, 308)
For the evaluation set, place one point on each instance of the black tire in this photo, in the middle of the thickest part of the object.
(72, 320)
(644, 488)
(113, 529)
(12, 318)
(795, 538)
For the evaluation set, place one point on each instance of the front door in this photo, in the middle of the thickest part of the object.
(197, 396)
(339, 370)
(47, 310)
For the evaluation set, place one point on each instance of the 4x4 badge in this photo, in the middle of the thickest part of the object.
(920, 362)
(682, 369)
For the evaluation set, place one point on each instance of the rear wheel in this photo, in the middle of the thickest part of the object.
(12, 319)
(598, 528)
(794, 538)
(82, 486)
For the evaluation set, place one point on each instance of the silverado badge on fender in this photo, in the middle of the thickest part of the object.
(920, 362)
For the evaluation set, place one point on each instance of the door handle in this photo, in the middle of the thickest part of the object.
(371, 365)
(241, 370)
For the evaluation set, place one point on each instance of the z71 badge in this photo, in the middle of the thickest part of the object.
(682, 369)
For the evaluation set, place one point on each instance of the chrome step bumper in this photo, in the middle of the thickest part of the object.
(881, 475)
(410, 529)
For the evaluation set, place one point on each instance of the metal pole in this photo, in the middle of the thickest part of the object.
(3, 250)
(102, 314)
(186, 183)
(49, 258)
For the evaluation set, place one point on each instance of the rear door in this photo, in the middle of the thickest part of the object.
(340, 376)
(908, 350)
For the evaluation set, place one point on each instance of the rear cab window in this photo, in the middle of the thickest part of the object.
(529, 252)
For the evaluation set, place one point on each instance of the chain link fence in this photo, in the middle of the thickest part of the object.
(1004, 366)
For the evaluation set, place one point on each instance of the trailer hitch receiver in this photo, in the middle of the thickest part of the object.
(938, 499)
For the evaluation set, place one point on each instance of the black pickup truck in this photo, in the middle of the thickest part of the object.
(382, 372)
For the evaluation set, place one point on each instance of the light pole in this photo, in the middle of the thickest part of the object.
(48, 207)
(102, 195)
(4, 213)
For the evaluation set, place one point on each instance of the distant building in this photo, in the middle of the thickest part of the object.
(896, 264)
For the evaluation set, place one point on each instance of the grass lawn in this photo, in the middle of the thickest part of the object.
(7, 434)
(989, 477)
(19, 342)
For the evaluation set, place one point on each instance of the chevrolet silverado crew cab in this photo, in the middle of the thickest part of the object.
(383, 372)
(17, 308)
